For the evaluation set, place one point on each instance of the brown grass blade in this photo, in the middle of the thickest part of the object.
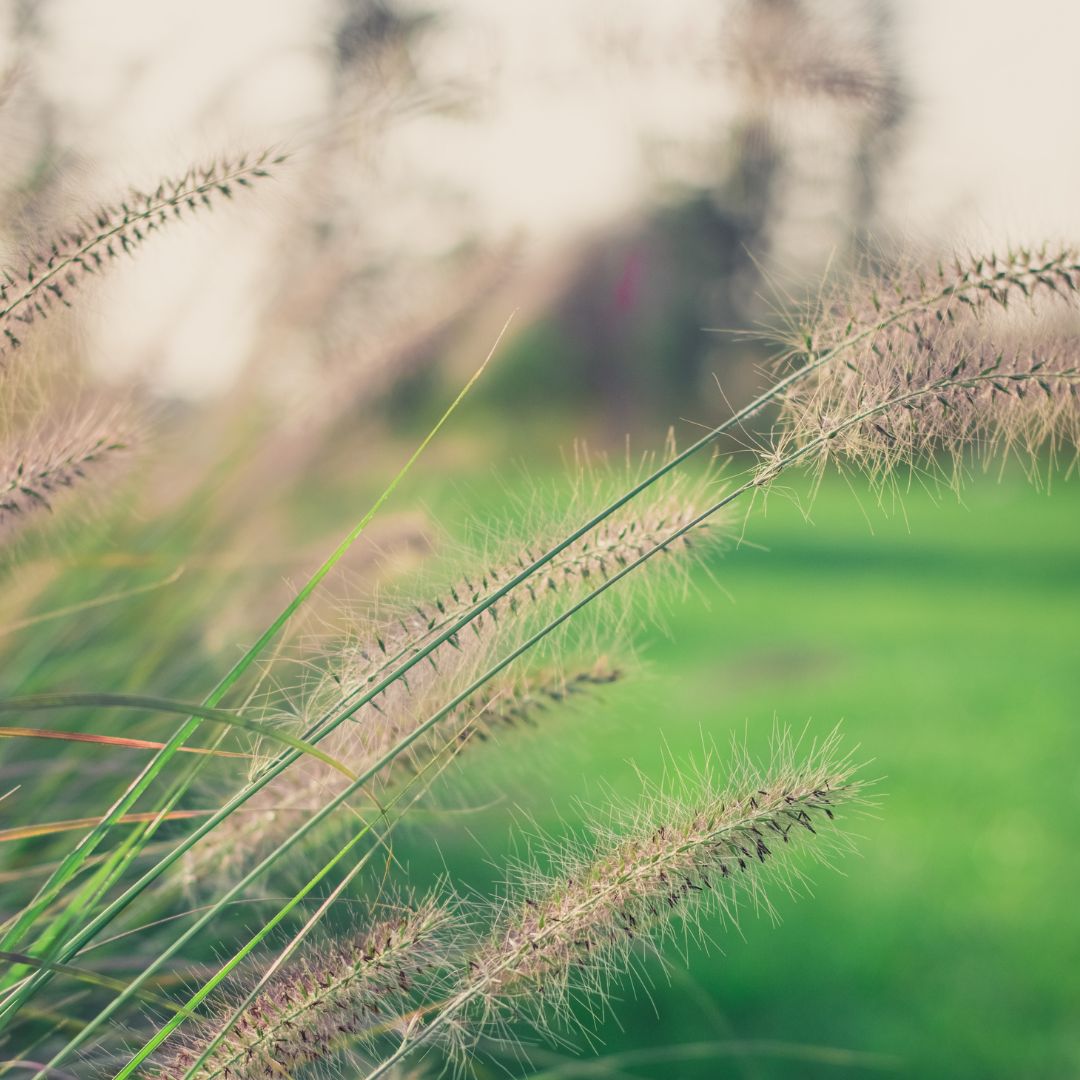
(26, 832)
(109, 740)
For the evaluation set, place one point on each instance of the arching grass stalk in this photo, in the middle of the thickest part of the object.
(762, 477)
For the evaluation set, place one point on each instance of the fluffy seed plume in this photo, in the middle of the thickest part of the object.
(279, 808)
(40, 465)
(343, 991)
(396, 711)
(685, 853)
(939, 393)
(913, 302)
(622, 538)
(88, 247)
(506, 704)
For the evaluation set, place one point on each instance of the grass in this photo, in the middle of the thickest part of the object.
(949, 659)
(944, 642)
(947, 646)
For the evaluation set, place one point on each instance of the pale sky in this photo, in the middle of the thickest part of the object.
(991, 148)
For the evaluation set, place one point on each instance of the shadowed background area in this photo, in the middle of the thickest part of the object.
(655, 193)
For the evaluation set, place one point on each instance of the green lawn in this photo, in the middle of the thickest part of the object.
(947, 645)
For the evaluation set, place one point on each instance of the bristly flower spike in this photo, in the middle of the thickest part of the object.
(341, 992)
(50, 278)
(684, 853)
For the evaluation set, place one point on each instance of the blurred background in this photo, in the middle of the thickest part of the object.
(644, 187)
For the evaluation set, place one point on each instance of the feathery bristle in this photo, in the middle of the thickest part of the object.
(908, 303)
(506, 704)
(342, 991)
(272, 813)
(621, 539)
(39, 466)
(939, 392)
(51, 277)
(681, 852)
(685, 852)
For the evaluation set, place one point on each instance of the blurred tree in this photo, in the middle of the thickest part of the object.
(769, 199)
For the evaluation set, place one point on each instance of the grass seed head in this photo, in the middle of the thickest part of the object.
(385, 644)
(940, 395)
(50, 278)
(39, 465)
(697, 848)
(349, 990)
